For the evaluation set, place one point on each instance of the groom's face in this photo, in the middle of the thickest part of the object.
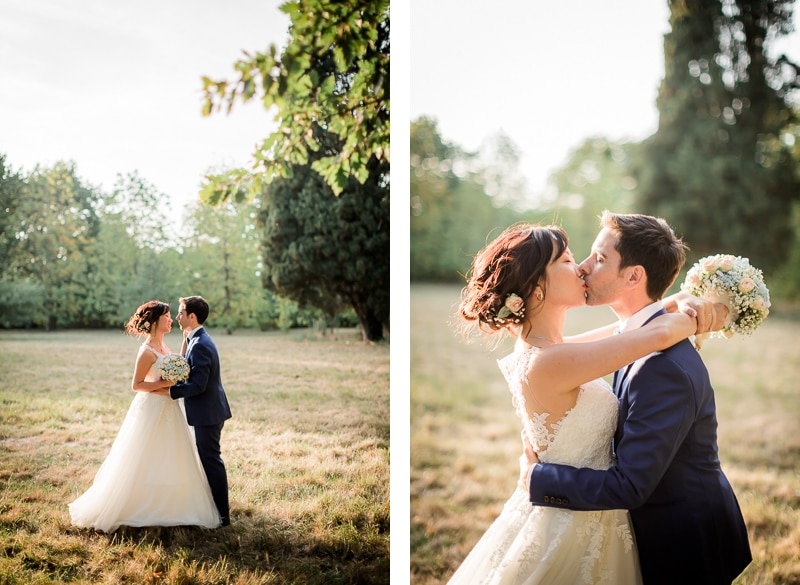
(182, 317)
(604, 280)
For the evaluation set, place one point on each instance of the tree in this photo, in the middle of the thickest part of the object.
(327, 251)
(55, 221)
(222, 258)
(451, 211)
(349, 101)
(719, 163)
(11, 187)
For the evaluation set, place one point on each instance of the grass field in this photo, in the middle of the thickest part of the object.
(465, 437)
(307, 454)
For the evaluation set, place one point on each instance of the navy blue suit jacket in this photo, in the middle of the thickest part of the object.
(203, 394)
(687, 521)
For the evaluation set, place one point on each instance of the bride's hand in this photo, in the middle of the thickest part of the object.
(527, 460)
(710, 316)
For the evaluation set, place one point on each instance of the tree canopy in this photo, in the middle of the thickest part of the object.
(720, 166)
(327, 251)
(349, 99)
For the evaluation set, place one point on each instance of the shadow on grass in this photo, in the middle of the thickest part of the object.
(258, 545)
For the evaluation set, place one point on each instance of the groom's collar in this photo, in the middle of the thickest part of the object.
(640, 317)
(194, 332)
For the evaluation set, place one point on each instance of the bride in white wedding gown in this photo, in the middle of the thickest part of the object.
(523, 283)
(152, 476)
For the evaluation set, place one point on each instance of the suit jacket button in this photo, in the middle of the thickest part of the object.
(547, 499)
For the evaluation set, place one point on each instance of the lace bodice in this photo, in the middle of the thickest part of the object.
(155, 369)
(582, 437)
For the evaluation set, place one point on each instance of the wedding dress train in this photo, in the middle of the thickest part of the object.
(152, 476)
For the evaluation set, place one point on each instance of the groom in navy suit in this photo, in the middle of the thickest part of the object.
(688, 525)
(204, 398)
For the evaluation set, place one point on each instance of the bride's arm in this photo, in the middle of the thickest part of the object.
(145, 361)
(593, 335)
(565, 366)
(710, 316)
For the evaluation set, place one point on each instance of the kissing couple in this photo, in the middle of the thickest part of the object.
(162, 471)
(618, 485)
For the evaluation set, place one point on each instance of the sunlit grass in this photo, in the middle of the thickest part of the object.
(465, 437)
(306, 451)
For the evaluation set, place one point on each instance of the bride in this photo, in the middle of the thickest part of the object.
(523, 283)
(152, 476)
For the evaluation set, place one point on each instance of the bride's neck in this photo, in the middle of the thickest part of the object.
(545, 327)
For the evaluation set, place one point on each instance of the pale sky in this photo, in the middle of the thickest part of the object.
(115, 86)
(546, 77)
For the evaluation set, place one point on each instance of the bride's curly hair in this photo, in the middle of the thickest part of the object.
(142, 321)
(513, 263)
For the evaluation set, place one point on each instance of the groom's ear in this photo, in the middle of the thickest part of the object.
(636, 275)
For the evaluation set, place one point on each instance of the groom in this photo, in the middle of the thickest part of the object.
(204, 398)
(686, 518)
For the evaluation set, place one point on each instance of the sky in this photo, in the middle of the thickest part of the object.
(548, 79)
(115, 87)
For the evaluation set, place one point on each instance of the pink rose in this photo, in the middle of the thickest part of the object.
(514, 303)
(709, 264)
(726, 263)
(746, 285)
(759, 304)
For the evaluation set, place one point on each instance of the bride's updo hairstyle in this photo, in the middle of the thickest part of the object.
(513, 264)
(143, 320)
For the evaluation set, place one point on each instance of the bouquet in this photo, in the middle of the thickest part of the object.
(730, 280)
(174, 368)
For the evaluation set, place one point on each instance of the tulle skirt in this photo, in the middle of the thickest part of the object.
(152, 475)
(529, 545)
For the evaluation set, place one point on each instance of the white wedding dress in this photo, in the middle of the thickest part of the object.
(529, 544)
(152, 475)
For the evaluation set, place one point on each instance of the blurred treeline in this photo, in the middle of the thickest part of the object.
(72, 255)
(723, 167)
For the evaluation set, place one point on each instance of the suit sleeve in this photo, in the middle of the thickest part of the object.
(199, 369)
(661, 412)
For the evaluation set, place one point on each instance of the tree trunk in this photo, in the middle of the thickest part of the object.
(371, 326)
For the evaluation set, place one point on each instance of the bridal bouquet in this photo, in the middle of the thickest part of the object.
(730, 280)
(174, 368)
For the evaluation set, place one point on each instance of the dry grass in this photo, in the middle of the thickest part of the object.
(465, 437)
(306, 451)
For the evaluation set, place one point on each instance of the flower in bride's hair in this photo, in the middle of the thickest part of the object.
(515, 304)
(144, 326)
(733, 281)
(174, 368)
(512, 311)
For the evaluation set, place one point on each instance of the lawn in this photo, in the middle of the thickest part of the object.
(465, 436)
(307, 454)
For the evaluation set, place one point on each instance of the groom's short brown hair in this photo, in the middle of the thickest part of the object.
(196, 305)
(649, 242)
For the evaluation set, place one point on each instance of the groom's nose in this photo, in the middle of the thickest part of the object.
(583, 267)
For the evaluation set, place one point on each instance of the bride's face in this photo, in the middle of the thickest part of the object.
(165, 322)
(564, 283)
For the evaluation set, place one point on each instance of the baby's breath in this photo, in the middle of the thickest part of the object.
(174, 368)
(733, 281)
